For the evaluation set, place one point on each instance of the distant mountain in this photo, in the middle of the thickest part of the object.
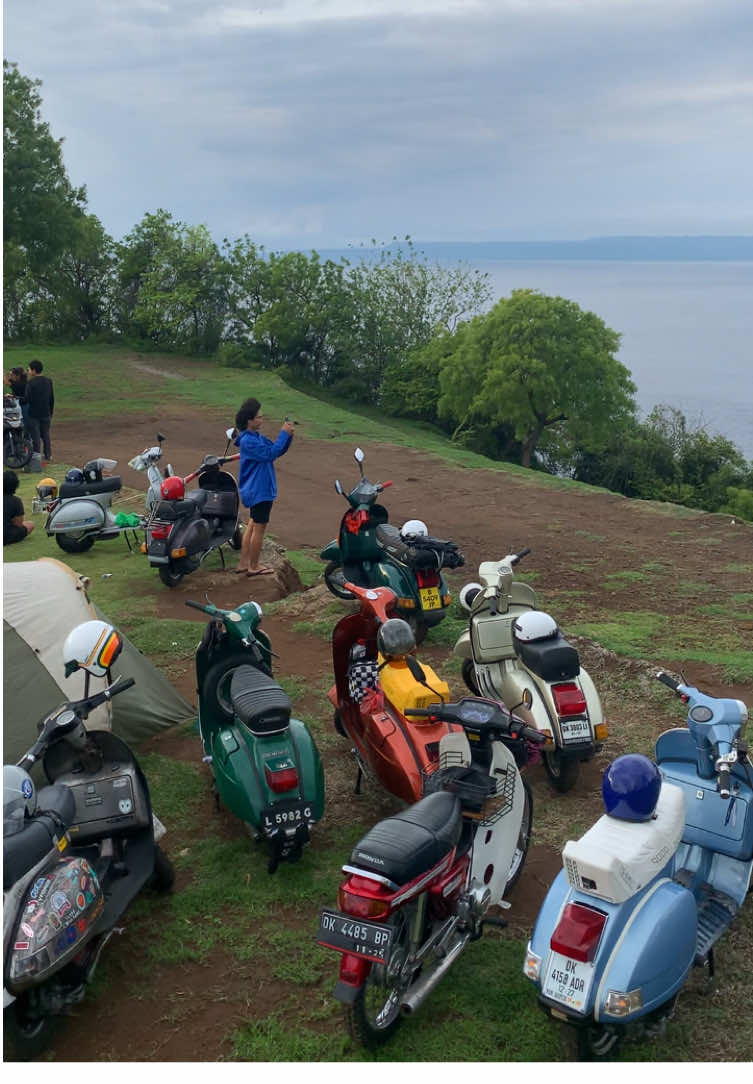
(594, 248)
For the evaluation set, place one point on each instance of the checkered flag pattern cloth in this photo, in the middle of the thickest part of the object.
(362, 676)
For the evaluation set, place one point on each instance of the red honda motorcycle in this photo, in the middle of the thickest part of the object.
(419, 885)
(374, 688)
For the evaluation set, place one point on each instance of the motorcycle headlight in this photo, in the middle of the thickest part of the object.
(618, 1004)
(532, 965)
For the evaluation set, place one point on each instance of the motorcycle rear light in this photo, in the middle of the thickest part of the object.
(532, 965)
(618, 1004)
(578, 932)
(161, 531)
(446, 599)
(361, 906)
(281, 781)
(406, 603)
(569, 699)
(179, 552)
(427, 579)
(600, 731)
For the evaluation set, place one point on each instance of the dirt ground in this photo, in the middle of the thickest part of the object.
(488, 514)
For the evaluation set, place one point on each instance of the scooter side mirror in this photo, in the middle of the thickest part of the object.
(160, 437)
(358, 455)
(339, 488)
(526, 702)
(231, 433)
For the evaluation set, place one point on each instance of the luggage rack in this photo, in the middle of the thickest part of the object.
(485, 799)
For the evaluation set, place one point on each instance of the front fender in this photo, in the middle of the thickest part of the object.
(462, 646)
(331, 552)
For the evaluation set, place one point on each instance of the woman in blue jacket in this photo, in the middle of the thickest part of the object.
(257, 483)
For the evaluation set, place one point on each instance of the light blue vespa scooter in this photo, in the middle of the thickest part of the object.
(650, 888)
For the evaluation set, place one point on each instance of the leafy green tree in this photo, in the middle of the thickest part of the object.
(139, 253)
(178, 279)
(534, 363)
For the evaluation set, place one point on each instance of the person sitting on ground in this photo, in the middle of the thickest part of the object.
(15, 527)
(257, 483)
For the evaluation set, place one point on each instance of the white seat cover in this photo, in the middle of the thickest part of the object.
(616, 858)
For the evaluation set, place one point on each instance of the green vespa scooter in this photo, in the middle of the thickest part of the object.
(266, 766)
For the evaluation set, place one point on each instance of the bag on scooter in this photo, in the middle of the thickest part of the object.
(362, 678)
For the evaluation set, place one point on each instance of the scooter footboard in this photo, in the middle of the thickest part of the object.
(645, 947)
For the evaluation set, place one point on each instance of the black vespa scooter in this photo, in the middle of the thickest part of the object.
(185, 527)
(72, 869)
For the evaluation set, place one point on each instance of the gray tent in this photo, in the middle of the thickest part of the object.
(42, 601)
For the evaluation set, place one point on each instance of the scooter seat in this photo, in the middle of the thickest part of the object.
(553, 659)
(169, 511)
(198, 497)
(423, 553)
(616, 858)
(56, 811)
(406, 845)
(90, 489)
(258, 701)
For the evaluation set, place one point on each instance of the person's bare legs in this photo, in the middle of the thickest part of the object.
(251, 544)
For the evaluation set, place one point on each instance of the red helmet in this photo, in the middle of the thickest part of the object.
(173, 488)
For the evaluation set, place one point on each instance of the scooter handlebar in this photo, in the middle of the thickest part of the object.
(518, 556)
(665, 679)
(198, 606)
(724, 778)
(384, 485)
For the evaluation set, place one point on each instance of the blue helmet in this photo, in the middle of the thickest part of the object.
(630, 787)
(75, 475)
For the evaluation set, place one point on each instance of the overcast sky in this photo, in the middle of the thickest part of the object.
(329, 122)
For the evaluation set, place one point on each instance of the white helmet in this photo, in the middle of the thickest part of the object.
(468, 594)
(534, 625)
(19, 793)
(414, 528)
(93, 646)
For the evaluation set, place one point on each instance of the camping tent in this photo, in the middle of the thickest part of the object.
(42, 601)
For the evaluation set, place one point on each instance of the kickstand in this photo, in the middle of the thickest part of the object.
(222, 558)
(359, 777)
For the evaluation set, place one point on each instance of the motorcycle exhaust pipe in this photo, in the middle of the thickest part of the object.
(421, 989)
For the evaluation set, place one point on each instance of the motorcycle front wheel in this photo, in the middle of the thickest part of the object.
(72, 543)
(375, 1014)
(25, 1037)
(334, 577)
(17, 451)
(524, 838)
(562, 771)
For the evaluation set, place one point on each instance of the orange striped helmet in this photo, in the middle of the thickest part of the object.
(93, 646)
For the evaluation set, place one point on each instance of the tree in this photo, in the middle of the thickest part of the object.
(536, 363)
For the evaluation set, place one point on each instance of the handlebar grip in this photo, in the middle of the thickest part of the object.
(121, 686)
(533, 735)
(418, 711)
(523, 553)
(196, 606)
(724, 778)
(384, 485)
(665, 679)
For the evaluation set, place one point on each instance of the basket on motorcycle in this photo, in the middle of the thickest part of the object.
(484, 798)
(258, 701)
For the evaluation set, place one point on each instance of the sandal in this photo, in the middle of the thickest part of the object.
(260, 571)
(239, 571)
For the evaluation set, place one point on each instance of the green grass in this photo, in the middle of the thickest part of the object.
(308, 564)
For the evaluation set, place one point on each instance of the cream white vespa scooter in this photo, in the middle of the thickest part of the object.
(511, 649)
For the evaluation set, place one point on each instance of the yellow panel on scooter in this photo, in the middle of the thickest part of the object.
(403, 691)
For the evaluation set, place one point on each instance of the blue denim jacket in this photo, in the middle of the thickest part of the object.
(256, 476)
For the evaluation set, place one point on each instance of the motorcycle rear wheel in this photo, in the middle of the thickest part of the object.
(374, 1016)
(71, 543)
(17, 451)
(25, 1037)
(334, 577)
(169, 576)
(562, 771)
(236, 539)
(163, 877)
(468, 673)
(217, 680)
(524, 838)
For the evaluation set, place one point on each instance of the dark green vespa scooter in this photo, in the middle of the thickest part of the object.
(266, 766)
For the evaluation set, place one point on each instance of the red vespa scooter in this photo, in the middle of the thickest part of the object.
(377, 680)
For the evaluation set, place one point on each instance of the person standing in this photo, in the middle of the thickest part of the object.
(257, 483)
(40, 399)
(18, 379)
(15, 527)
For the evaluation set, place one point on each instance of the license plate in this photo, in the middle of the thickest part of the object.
(286, 815)
(575, 729)
(348, 934)
(568, 981)
(430, 598)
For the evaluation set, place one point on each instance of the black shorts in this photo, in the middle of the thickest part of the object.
(259, 512)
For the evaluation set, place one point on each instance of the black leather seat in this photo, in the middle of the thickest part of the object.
(553, 659)
(258, 701)
(56, 811)
(406, 845)
(423, 553)
(198, 497)
(90, 489)
(169, 511)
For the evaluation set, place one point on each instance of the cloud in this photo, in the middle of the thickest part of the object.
(334, 121)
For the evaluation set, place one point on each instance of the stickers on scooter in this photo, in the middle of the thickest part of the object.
(234, 616)
(60, 903)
